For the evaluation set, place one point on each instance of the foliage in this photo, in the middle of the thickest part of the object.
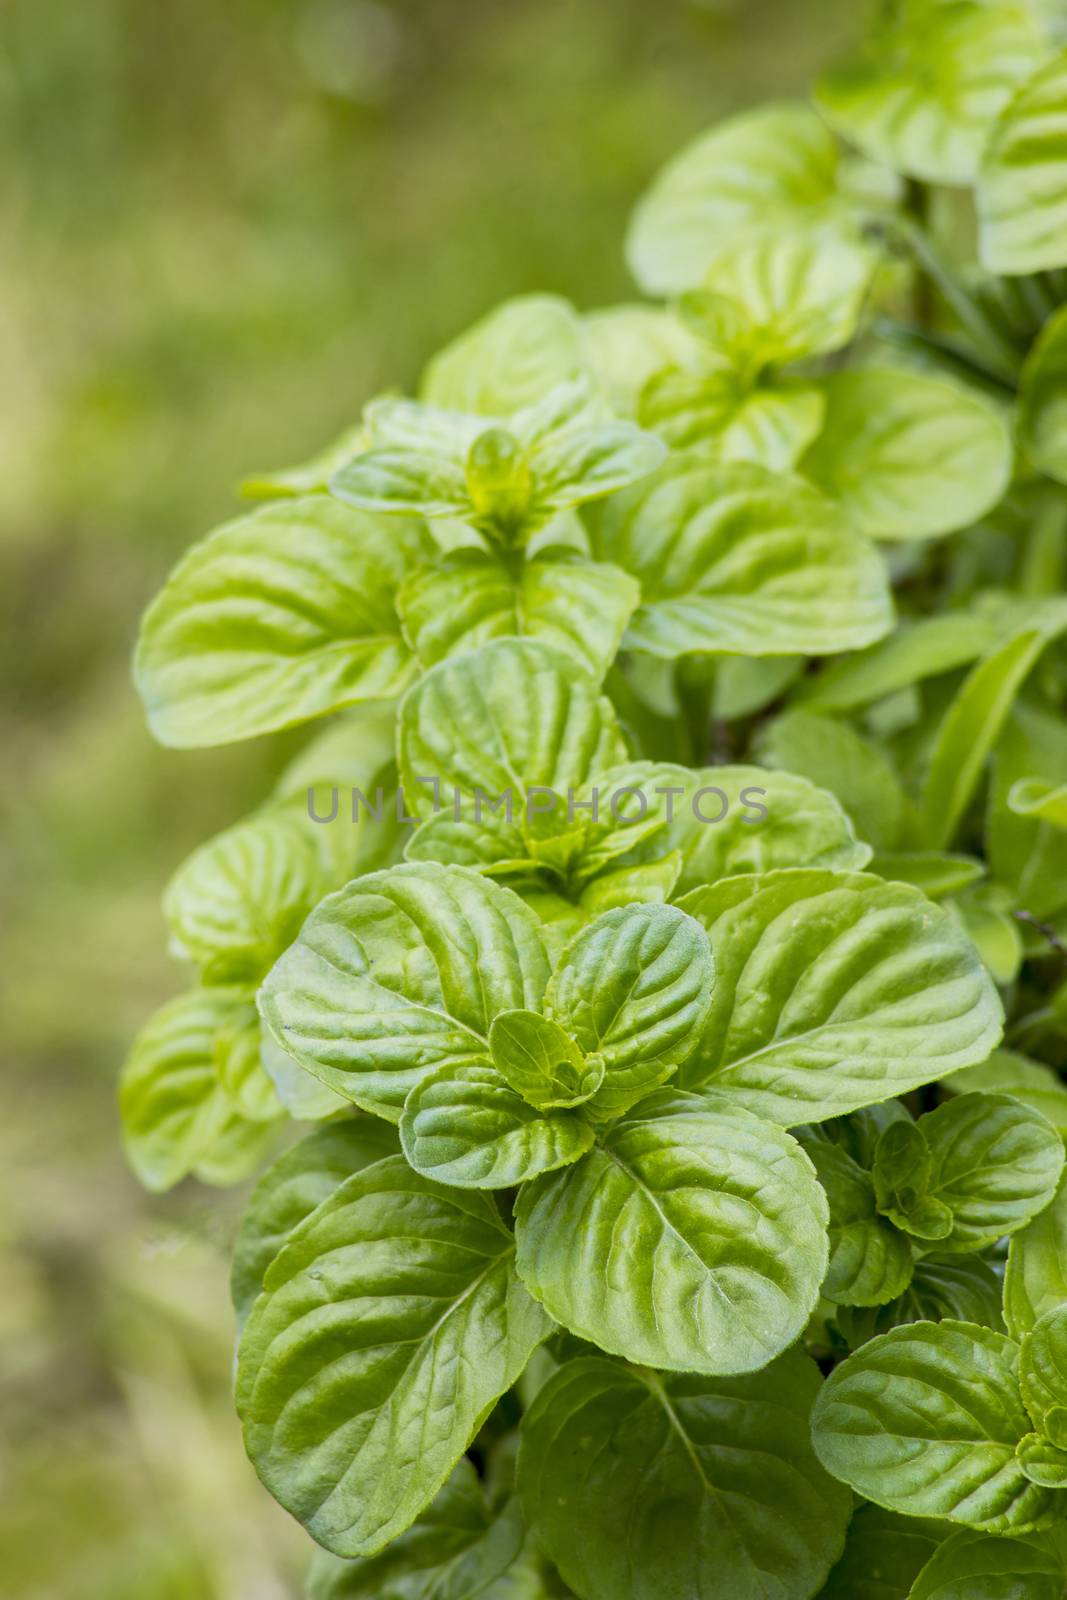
(642, 926)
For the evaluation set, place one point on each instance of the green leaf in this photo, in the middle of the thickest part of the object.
(1043, 1462)
(925, 91)
(734, 559)
(237, 1151)
(456, 1550)
(239, 1065)
(1009, 1073)
(309, 477)
(465, 1126)
(578, 607)
(1043, 399)
(803, 826)
(834, 990)
(1035, 1281)
(541, 1061)
(933, 871)
(829, 752)
(280, 616)
(883, 1556)
(918, 649)
(513, 719)
(771, 173)
(925, 1420)
(901, 1173)
(1032, 797)
(973, 722)
(292, 1187)
(172, 1104)
(731, 420)
(633, 988)
(995, 1164)
(239, 900)
(1043, 1373)
(870, 1261)
(693, 1238)
(978, 1566)
(659, 1485)
(377, 992)
(1025, 852)
(387, 1327)
(964, 1288)
(908, 456)
(510, 359)
(628, 344)
(1022, 187)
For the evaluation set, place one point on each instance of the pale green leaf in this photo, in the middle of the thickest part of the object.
(464, 1125)
(925, 1420)
(771, 172)
(388, 1326)
(510, 359)
(907, 456)
(239, 900)
(693, 1238)
(797, 296)
(541, 1061)
(239, 1066)
(634, 989)
(925, 90)
(285, 614)
(1035, 1281)
(834, 990)
(290, 1190)
(377, 992)
(172, 1104)
(734, 559)
(733, 421)
(829, 752)
(1022, 187)
(578, 607)
(628, 344)
(918, 649)
(936, 873)
(456, 1550)
(995, 1164)
(1043, 397)
(1009, 1073)
(1047, 802)
(659, 1485)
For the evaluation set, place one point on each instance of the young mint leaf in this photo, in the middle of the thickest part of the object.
(377, 991)
(627, 345)
(1042, 1461)
(692, 1238)
(633, 989)
(884, 1554)
(731, 419)
(703, 1487)
(1043, 1374)
(1021, 193)
(387, 1327)
(771, 172)
(578, 607)
(239, 900)
(907, 456)
(172, 1104)
(994, 1162)
(963, 1288)
(970, 1566)
(541, 1061)
(456, 1550)
(283, 615)
(239, 1066)
(290, 1190)
(1043, 399)
(465, 1125)
(866, 990)
(735, 559)
(928, 84)
(510, 359)
(1035, 1281)
(512, 722)
(925, 1420)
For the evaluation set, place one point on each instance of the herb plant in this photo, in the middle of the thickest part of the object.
(666, 931)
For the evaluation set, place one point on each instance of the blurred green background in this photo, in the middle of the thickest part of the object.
(225, 224)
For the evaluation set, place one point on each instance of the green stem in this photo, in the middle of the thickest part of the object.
(996, 351)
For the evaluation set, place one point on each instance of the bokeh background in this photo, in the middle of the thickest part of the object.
(224, 224)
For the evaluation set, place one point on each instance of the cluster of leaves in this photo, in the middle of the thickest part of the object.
(642, 927)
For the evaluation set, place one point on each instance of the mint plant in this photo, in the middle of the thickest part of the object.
(664, 931)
